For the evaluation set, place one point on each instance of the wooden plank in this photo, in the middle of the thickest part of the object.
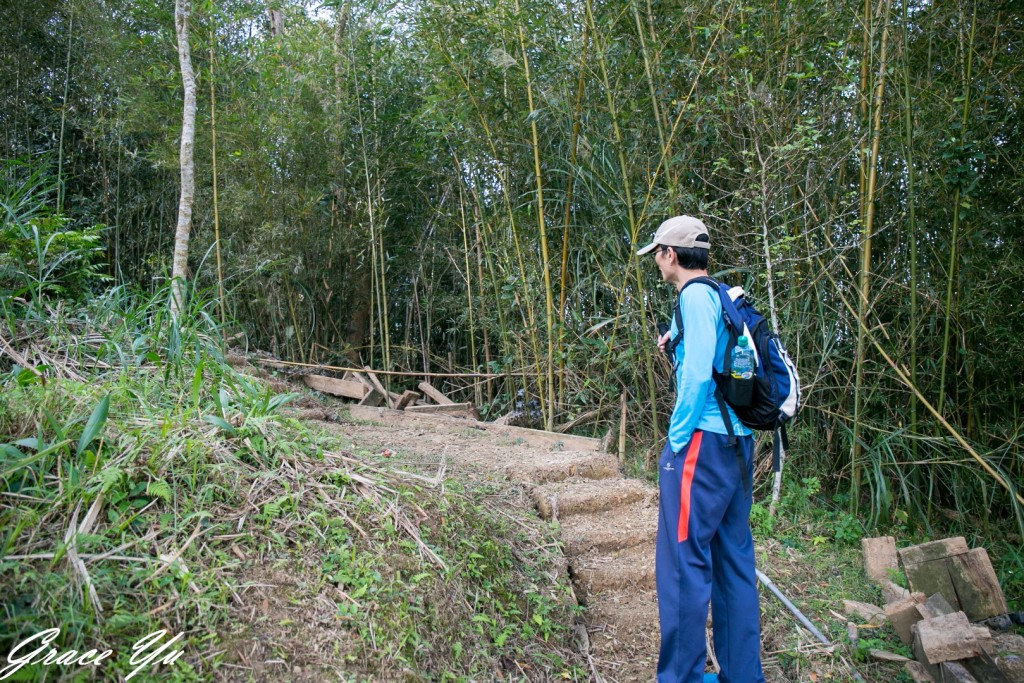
(936, 550)
(903, 614)
(378, 386)
(977, 587)
(335, 387)
(438, 422)
(408, 398)
(931, 578)
(946, 638)
(467, 410)
(893, 592)
(879, 557)
(372, 399)
(429, 391)
(919, 673)
(865, 612)
(985, 669)
(935, 606)
(954, 672)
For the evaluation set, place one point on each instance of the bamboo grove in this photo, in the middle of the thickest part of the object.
(461, 186)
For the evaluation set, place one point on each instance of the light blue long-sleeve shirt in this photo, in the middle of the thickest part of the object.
(696, 407)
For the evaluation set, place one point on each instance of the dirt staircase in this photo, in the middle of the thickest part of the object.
(607, 522)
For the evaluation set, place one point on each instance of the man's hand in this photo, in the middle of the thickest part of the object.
(664, 339)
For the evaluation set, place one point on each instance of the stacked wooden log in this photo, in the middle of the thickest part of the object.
(365, 388)
(950, 589)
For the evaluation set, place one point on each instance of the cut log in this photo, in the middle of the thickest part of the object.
(429, 391)
(984, 637)
(903, 615)
(865, 612)
(373, 398)
(336, 387)
(919, 672)
(886, 656)
(955, 672)
(935, 606)
(893, 592)
(879, 557)
(977, 587)
(932, 578)
(378, 386)
(935, 550)
(985, 669)
(467, 410)
(408, 398)
(945, 639)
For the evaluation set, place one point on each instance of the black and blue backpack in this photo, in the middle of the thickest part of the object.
(771, 398)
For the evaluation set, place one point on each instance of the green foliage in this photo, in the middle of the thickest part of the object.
(41, 256)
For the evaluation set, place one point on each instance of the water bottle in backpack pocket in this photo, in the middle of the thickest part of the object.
(742, 363)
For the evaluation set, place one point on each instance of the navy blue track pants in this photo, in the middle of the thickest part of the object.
(705, 553)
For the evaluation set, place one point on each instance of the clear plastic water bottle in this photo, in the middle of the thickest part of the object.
(742, 359)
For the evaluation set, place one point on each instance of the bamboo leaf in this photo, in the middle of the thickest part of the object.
(95, 425)
(221, 423)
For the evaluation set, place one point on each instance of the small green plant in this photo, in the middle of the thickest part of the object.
(761, 523)
(847, 529)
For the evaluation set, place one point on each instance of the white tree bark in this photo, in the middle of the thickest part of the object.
(179, 269)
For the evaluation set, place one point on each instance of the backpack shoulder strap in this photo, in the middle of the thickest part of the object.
(677, 312)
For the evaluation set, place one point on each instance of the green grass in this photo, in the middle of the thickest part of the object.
(186, 491)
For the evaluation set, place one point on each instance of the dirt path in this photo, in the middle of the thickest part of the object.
(607, 522)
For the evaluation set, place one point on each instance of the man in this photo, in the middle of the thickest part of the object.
(705, 552)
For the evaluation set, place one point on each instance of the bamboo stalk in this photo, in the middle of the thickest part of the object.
(213, 163)
(865, 270)
(569, 185)
(912, 227)
(469, 279)
(64, 109)
(951, 272)
(549, 412)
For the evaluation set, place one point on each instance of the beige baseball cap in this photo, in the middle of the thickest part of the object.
(681, 231)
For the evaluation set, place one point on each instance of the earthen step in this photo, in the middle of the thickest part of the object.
(610, 530)
(596, 572)
(624, 634)
(624, 616)
(541, 468)
(575, 496)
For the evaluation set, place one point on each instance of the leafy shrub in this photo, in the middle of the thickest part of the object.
(41, 254)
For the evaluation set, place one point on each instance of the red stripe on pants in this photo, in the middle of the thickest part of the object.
(683, 531)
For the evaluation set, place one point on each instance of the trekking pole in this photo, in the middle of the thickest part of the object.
(792, 608)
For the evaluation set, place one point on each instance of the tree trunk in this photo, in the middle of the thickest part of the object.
(179, 270)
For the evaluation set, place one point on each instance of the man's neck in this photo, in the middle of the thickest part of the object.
(684, 275)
